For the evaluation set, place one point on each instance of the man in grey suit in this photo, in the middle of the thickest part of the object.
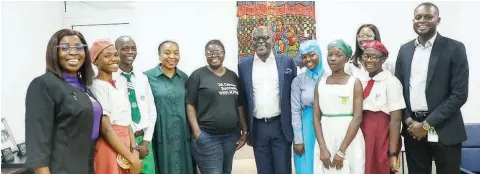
(434, 73)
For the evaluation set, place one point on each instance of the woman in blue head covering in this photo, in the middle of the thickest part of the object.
(302, 100)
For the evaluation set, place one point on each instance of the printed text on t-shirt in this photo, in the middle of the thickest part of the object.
(227, 89)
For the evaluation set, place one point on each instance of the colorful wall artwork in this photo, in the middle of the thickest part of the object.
(292, 23)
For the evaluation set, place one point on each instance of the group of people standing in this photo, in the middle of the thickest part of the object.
(356, 112)
(161, 121)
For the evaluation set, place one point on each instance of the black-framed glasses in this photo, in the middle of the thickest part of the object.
(214, 54)
(366, 36)
(67, 47)
(367, 57)
(258, 38)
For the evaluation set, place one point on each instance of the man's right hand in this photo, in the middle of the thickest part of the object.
(143, 149)
(139, 133)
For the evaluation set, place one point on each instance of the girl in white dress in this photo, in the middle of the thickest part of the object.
(337, 117)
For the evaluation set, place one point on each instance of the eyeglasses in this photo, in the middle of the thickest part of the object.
(214, 54)
(374, 58)
(258, 38)
(66, 47)
(366, 36)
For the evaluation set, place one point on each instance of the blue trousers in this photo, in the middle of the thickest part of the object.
(213, 154)
(272, 151)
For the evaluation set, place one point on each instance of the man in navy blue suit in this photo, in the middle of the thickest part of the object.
(266, 81)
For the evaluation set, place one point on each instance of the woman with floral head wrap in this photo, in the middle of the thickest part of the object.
(337, 111)
(302, 106)
(116, 148)
(382, 110)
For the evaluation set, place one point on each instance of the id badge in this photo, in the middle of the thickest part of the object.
(432, 136)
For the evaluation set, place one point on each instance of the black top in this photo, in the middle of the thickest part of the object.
(216, 100)
(58, 126)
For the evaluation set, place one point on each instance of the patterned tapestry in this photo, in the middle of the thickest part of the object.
(292, 23)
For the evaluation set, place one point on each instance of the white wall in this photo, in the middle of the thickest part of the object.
(191, 25)
(24, 47)
(98, 20)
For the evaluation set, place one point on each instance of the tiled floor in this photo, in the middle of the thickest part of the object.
(244, 162)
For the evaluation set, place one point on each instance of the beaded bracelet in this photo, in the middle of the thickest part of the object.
(341, 154)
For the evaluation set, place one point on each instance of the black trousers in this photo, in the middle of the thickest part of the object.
(421, 153)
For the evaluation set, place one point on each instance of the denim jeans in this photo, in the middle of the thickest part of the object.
(213, 154)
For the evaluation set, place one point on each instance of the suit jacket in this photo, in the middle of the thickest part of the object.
(58, 126)
(287, 71)
(446, 88)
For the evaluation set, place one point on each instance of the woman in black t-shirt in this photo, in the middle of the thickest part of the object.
(214, 110)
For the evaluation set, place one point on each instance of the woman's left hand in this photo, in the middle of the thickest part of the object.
(243, 139)
(337, 162)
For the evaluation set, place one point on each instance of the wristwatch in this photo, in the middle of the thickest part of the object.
(426, 126)
(390, 154)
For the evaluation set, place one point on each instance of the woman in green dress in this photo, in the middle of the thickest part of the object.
(171, 139)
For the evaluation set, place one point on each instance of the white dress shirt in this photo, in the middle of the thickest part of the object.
(145, 101)
(114, 102)
(266, 92)
(418, 75)
(386, 94)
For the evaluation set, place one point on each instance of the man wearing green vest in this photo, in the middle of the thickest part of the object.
(136, 86)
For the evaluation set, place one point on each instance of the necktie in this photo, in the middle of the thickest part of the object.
(368, 89)
(112, 83)
(133, 98)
